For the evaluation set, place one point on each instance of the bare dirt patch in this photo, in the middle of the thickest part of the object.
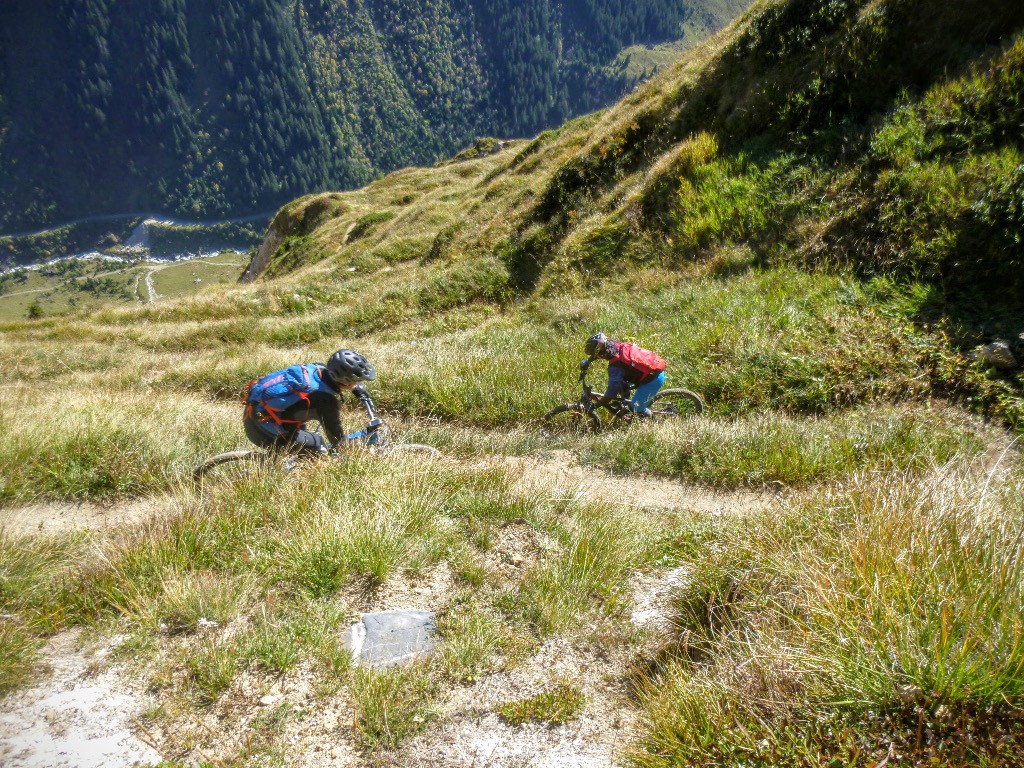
(470, 732)
(61, 517)
(561, 471)
(83, 714)
(264, 719)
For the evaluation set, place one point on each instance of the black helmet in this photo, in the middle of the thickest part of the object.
(349, 367)
(595, 344)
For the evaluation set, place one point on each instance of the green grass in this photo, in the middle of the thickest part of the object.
(560, 704)
(186, 278)
(103, 445)
(210, 668)
(839, 627)
(600, 547)
(789, 451)
(476, 639)
(390, 705)
(18, 655)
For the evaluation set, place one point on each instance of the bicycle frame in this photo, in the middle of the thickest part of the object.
(616, 406)
(375, 430)
(373, 435)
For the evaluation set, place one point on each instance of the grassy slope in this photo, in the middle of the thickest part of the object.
(794, 248)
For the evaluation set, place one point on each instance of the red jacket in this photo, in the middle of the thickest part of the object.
(640, 365)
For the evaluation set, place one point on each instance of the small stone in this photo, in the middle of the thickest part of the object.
(998, 355)
(909, 694)
(270, 699)
(391, 638)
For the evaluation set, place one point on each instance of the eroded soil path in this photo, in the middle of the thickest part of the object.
(50, 518)
(86, 711)
(561, 472)
(81, 714)
(558, 471)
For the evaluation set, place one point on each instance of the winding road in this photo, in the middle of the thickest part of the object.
(157, 217)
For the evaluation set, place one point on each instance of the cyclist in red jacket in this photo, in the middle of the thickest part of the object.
(629, 363)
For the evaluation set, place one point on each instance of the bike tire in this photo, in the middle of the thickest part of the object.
(230, 464)
(571, 418)
(677, 403)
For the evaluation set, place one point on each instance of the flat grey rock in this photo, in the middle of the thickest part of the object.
(391, 638)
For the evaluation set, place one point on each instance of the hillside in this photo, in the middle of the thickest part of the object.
(815, 216)
(220, 107)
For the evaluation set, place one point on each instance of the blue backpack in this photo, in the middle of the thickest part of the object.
(268, 397)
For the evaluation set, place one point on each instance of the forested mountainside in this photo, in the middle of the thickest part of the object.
(212, 107)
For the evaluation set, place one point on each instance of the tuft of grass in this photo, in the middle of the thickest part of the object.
(775, 448)
(390, 705)
(19, 652)
(881, 615)
(210, 668)
(474, 640)
(561, 704)
(183, 602)
(599, 548)
(283, 634)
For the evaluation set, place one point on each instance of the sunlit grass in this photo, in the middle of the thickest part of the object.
(842, 624)
(779, 449)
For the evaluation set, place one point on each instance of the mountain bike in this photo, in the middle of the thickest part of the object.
(372, 437)
(583, 415)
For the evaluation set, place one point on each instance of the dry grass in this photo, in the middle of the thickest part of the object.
(881, 609)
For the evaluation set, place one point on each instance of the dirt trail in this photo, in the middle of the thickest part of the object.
(150, 289)
(558, 471)
(562, 472)
(61, 517)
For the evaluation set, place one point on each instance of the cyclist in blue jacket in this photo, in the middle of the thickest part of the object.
(278, 405)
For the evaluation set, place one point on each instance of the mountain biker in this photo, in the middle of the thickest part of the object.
(278, 405)
(631, 363)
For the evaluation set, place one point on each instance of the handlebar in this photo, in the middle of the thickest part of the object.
(363, 396)
(587, 389)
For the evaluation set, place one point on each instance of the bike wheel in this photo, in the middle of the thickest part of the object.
(676, 403)
(231, 465)
(571, 419)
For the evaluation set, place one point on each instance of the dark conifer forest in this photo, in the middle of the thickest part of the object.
(209, 108)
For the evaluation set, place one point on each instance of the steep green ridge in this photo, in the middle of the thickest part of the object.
(221, 106)
(882, 138)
